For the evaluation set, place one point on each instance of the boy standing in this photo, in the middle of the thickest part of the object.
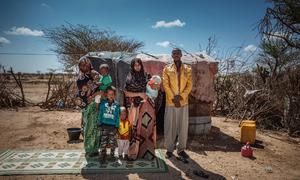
(109, 121)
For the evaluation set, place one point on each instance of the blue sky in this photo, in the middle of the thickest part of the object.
(156, 23)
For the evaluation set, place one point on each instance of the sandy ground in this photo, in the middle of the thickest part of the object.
(218, 154)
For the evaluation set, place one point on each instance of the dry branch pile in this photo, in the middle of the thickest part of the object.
(273, 104)
(60, 93)
(9, 95)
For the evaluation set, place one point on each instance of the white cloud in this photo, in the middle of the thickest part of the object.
(45, 5)
(164, 24)
(3, 40)
(163, 44)
(250, 48)
(24, 31)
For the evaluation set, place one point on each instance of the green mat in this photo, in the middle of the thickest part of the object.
(17, 162)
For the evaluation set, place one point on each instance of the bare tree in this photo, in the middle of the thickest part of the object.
(73, 41)
(282, 21)
(211, 45)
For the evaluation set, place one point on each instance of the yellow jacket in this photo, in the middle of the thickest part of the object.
(170, 83)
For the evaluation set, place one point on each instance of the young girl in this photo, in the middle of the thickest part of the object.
(123, 132)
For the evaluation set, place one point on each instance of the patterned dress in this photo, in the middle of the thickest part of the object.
(142, 117)
(86, 87)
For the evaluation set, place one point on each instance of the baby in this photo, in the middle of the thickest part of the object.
(153, 86)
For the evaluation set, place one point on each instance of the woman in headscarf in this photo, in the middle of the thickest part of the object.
(86, 85)
(141, 113)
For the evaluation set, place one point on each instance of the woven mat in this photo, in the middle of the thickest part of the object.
(17, 162)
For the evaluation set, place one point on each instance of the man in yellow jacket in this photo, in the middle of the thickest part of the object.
(177, 83)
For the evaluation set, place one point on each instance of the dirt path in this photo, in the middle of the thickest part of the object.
(217, 153)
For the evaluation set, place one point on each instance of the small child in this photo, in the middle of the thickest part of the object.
(153, 86)
(109, 121)
(123, 141)
(104, 81)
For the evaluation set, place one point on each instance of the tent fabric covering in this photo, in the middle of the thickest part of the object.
(204, 69)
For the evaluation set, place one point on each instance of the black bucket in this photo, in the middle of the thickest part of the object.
(74, 133)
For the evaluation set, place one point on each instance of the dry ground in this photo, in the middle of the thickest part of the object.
(217, 153)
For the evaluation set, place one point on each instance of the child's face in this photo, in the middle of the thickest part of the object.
(103, 71)
(123, 115)
(110, 95)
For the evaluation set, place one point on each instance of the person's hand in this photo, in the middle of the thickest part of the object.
(90, 99)
(177, 98)
(177, 104)
(98, 83)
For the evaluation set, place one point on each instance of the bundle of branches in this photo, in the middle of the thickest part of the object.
(232, 81)
(292, 100)
(261, 106)
(273, 104)
(228, 92)
(60, 94)
(9, 96)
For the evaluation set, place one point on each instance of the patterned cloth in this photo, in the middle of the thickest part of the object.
(108, 138)
(91, 132)
(86, 87)
(143, 132)
(71, 161)
(137, 81)
(141, 115)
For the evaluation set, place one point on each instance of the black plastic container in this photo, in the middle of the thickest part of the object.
(74, 133)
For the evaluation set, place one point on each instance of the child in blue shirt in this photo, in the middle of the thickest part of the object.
(109, 122)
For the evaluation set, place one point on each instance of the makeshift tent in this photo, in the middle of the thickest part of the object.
(204, 69)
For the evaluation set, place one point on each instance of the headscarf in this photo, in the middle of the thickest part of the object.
(136, 81)
(85, 83)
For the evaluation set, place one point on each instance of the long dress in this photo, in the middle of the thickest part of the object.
(142, 117)
(91, 131)
(143, 132)
(86, 87)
